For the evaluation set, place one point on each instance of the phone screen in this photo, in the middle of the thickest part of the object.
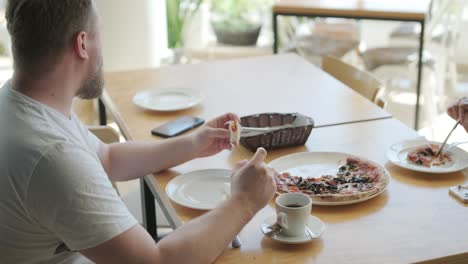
(177, 126)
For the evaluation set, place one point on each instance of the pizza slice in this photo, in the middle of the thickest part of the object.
(425, 156)
(235, 131)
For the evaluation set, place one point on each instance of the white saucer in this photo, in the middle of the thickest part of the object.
(173, 99)
(314, 223)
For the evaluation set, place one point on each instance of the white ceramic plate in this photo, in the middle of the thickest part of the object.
(397, 154)
(203, 190)
(173, 99)
(309, 164)
(314, 223)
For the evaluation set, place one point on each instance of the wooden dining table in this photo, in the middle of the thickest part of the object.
(394, 10)
(414, 220)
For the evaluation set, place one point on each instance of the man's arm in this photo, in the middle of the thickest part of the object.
(134, 159)
(203, 239)
(130, 160)
(199, 241)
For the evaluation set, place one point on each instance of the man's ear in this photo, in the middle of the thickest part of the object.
(81, 45)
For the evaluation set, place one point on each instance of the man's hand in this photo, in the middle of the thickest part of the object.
(459, 112)
(252, 182)
(213, 137)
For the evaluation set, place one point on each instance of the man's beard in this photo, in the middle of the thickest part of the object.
(93, 85)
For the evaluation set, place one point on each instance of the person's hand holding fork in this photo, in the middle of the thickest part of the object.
(459, 111)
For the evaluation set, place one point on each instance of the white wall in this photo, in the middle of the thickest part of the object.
(133, 33)
(461, 54)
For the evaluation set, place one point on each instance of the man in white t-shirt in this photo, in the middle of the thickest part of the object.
(57, 204)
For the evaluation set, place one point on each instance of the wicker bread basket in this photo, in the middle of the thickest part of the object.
(296, 135)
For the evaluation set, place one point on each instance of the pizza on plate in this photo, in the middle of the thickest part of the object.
(425, 156)
(354, 180)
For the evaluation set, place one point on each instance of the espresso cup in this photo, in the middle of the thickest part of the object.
(293, 211)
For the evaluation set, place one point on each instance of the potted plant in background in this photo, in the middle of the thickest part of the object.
(3, 50)
(237, 22)
(179, 13)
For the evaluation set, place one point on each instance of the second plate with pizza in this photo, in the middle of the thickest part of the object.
(400, 153)
(330, 178)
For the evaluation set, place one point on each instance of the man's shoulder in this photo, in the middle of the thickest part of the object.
(67, 156)
(26, 123)
(66, 165)
(21, 155)
(30, 131)
(25, 146)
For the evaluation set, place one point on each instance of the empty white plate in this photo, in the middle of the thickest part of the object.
(173, 99)
(203, 190)
(397, 154)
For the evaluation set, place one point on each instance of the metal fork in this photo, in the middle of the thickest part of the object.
(445, 141)
(452, 145)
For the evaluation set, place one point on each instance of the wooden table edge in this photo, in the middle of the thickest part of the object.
(344, 13)
(452, 259)
(110, 106)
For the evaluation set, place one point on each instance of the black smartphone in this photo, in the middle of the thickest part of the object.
(178, 126)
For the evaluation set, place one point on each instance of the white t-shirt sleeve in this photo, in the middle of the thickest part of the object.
(71, 196)
(91, 140)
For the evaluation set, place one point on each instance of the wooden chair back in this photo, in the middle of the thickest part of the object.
(361, 81)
